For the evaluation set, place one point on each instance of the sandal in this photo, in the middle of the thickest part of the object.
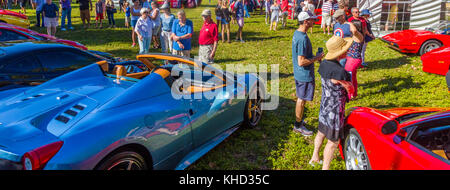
(313, 164)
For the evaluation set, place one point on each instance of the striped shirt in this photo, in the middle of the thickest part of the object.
(326, 7)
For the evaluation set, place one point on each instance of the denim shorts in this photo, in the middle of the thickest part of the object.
(224, 21)
(305, 90)
(133, 23)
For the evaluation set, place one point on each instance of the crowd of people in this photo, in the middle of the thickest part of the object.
(338, 71)
(351, 32)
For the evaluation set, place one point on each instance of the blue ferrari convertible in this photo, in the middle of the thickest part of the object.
(160, 112)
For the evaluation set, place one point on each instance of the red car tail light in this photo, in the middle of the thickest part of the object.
(38, 158)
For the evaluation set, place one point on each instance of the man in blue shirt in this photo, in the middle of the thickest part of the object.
(303, 64)
(66, 12)
(182, 30)
(239, 8)
(51, 14)
(39, 15)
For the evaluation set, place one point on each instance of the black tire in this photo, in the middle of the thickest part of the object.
(126, 160)
(253, 110)
(429, 45)
(352, 160)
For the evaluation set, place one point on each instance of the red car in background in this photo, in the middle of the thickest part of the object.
(9, 32)
(397, 139)
(420, 41)
(437, 61)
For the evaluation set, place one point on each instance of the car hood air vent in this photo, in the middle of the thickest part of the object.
(31, 97)
(70, 113)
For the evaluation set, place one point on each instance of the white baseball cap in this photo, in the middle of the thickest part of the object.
(305, 15)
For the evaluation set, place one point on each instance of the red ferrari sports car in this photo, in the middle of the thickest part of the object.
(437, 61)
(397, 139)
(9, 32)
(420, 41)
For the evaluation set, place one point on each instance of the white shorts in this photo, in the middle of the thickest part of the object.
(326, 20)
(50, 22)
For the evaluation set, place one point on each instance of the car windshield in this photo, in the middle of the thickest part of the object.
(443, 27)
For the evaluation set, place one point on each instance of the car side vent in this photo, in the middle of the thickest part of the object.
(79, 107)
(63, 119)
(69, 114)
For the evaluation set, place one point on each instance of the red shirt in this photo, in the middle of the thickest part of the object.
(208, 34)
(284, 5)
(363, 21)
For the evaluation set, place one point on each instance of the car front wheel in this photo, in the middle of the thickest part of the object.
(354, 152)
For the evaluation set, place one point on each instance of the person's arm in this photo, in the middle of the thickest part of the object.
(189, 30)
(357, 36)
(346, 84)
(303, 61)
(154, 14)
(90, 2)
(216, 40)
(136, 29)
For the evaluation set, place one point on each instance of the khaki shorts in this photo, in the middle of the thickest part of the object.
(85, 15)
(204, 51)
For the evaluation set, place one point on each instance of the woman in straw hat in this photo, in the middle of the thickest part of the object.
(335, 87)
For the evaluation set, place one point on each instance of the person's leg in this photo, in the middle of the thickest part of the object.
(223, 33)
(141, 46)
(228, 32)
(38, 18)
(49, 30)
(318, 141)
(328, 153)
(54, 30)
(108, 13)
(163, 40)
(69, 18)
(352, 66)
(113, 21)
(240, 33)
(363, 53)
(63, 18)
(88, 18)
(299, 109)
(147, 42)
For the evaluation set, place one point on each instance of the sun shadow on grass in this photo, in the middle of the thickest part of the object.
(395, 84)
(388, 63)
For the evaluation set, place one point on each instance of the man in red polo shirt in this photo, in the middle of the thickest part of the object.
(208, 38)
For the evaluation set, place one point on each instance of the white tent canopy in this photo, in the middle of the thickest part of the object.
(394, 15)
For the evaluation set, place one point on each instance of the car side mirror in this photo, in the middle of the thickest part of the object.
(401, 136)
(389, 127)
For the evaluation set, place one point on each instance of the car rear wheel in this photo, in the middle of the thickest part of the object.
(127, 160)
(429, 45)
(253, 108)
(354, 152)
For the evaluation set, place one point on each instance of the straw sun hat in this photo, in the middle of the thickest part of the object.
(337, 46)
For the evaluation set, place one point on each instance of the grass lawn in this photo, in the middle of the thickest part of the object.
(392, 80)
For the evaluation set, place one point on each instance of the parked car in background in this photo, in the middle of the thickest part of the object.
(15, 18)
(9, 32)
(420, 41)
(30, 63)
(126, 116)
(397, 139)
(436, 61)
